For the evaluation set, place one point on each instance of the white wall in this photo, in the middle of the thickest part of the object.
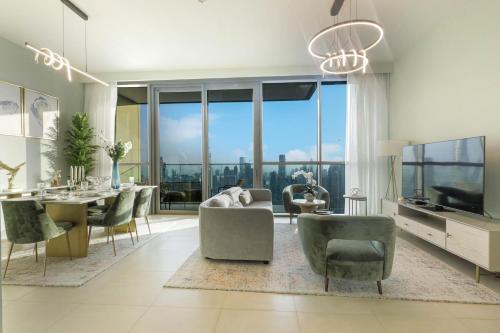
(17, 66)
(448, 86)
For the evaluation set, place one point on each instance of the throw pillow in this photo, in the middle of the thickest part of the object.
(246, 198)
(222, 200)
(233, 192)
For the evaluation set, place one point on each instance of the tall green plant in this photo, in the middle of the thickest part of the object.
(79, 148)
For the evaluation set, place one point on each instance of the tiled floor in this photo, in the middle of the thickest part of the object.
(129, 297)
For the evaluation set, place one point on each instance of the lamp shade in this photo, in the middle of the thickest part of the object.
(386, 148)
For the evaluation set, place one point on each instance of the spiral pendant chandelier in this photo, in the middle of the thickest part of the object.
(341, 51)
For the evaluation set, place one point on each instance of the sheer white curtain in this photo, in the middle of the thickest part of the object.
(100, 105)
(367, 123)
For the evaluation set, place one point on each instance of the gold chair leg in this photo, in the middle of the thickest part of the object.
(379, 286)
(8, 259)
(46, 256)
(291, 218)
(478, 274)
(130, 232)
(113, 239)
(136, 230)
(36, 252)
(107, 237)
(90, 231)
(147, 222)
(69, 246)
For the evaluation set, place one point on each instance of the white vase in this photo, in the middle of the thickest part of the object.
(309, 197)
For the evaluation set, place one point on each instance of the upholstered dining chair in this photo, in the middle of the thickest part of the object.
(119, 213)
(26, 222)
(141, 207)
(349, 247)
(291, 190)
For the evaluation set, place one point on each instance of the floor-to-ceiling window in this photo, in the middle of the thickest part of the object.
(132, 125)
(256, 134)
(289, 134)
(230, 138)
(180, 154)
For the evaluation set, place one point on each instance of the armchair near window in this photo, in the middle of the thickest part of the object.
(291, 190)
(349, 247)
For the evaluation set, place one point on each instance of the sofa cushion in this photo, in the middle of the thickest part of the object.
(355, 250)
(246, 198)
(261, 204)
(222, 200)
(234, 193)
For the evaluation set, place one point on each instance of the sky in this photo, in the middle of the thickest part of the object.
(289, 127)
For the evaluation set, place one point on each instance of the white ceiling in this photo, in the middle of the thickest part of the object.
(176, 35)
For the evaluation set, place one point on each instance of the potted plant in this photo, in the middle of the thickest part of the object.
(79, 149)
(116, 151)
(310, 185)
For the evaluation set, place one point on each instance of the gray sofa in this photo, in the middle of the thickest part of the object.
(236, 232)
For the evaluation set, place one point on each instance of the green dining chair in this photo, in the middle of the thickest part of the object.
(119, 213)
(141, 207)
(26, 222)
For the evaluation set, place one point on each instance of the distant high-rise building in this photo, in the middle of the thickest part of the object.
(281, 165)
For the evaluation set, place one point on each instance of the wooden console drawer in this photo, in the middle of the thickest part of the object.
(389, 208)
(406, 224)
(468, 242)
(432, 235)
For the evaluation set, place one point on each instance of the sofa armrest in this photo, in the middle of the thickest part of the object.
(261, 194)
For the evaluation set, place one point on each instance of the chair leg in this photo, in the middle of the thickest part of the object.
(8, 259)
(291, 218)
(326, 274)
(130, 232)
(107, 237)
(113, 239)
(46, 256)
(90, 231)
(147, 222)
(36, 252)
(379, 286)
(326, 283)
(136, 230)
(69, 246)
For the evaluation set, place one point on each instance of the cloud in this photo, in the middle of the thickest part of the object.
(332, 152)
(238, 152)
(180, 130)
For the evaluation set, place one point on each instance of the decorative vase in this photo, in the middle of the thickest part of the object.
(115, 176)
(309, 197)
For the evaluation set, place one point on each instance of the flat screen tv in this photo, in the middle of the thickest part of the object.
(447, 174)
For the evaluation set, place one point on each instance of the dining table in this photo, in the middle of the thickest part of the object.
(73, 207)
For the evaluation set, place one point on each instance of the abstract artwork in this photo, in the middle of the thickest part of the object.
(11, 112)
(41, 113)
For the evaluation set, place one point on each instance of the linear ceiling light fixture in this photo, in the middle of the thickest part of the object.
(57, 61)
(342, 55)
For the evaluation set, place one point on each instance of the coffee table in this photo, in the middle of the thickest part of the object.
(308, 206)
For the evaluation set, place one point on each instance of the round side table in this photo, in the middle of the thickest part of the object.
(308, 206)
(353, 201)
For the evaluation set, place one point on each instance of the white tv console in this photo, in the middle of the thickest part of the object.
(475, 239)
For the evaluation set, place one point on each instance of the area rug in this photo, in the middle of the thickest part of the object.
(416, 275)
(62, 272)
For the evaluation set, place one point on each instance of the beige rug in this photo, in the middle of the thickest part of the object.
(62, 272)
(416, 275)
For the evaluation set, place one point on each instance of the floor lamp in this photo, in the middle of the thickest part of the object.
(391, 149)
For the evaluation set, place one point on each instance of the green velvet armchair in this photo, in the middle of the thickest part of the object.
(26, 222)
(291, 190)
(345, 247)
(141, 206)
(119, 213)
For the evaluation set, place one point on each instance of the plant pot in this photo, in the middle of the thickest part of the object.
(309, 197)
(115, 176)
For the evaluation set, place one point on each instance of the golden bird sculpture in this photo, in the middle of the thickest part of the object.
(12, 172)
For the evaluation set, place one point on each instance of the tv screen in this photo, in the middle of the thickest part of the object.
(447, 173)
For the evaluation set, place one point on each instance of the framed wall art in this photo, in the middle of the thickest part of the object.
(11, 111)
(41, 115)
